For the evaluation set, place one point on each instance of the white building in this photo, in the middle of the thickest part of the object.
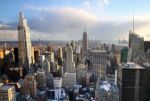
(57, 87)
(46, 66)
(69, 80)
(49, 56)
(70, 65)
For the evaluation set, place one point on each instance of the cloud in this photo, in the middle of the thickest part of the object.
(106, 1)
(67, 23)
(8, 35)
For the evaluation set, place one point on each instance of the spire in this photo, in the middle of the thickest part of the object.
(85, 28)
(133, 22)
(21, 17)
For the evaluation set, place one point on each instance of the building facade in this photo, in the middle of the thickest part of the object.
(69, 60)
(7, 93)
(99, 63)
(84, 44)
(24, 43)
(132, 82)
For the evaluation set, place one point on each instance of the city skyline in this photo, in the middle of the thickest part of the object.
(65, 20)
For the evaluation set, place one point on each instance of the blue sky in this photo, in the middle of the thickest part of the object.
(10, 8)
(52, 19)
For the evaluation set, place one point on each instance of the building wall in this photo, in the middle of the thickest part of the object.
(132, 84)
(99, 64)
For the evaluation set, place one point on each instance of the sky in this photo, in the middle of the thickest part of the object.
(67, 19)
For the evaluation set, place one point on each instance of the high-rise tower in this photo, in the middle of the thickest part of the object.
(24, 43)
(69, 60)
(84, 44)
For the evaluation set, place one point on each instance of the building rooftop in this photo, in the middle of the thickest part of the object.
(146, 65)
(98, 51)
(131, 65)
(3, 88)
(108, 86)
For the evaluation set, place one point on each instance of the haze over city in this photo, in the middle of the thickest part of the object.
(66, 19)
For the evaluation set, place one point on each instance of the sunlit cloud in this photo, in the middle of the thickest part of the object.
(67, 23)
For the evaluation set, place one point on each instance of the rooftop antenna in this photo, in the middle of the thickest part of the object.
(84, 28)
(133, 22)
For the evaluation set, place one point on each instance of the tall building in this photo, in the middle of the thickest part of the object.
(147, 67)
(30, 85)
(57, 87)
(49, 56)
(146, 45)
(36, 55)
(46, 66)
(59, 52)
(7, 93)
(69, 60)
(60, 56)
(81, 74)
(99, 63)
(41, 79)
(136, 47)
(73, 45)
(84, 44)
(124, 54)
(24, 43)
(132, 82)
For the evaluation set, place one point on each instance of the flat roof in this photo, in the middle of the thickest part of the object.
(131, 65)
(2, 88)
(98, 50)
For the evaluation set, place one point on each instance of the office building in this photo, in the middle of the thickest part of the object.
(99, 63)
(146, 45)
(41, 79)
(132, 82)
(124, 54)
(136, 46)
(30, 85)
(50, 81)
(59, 52)
(69, 80)
(81, 74)
(57, 87)
(46, 66)
(49, 56)
(16, 55)
(36, 55)
(84, 44)
(24, 43)
(7, 93)
(70, 66)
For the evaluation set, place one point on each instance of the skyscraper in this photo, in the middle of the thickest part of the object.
(30, 84)
(99, 64)
(84, 44)
(24, 42)
(69, 60)
(136, 46)
(132, 82)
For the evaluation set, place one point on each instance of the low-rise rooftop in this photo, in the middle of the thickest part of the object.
(131, 65)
